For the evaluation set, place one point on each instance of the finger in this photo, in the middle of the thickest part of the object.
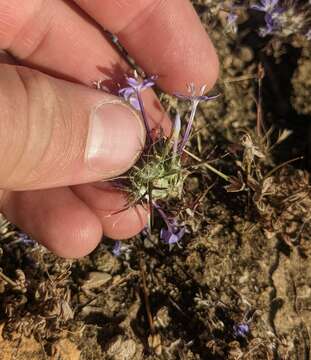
(166, 38)
(119, 220)
(5, 58)
(127, 226)
(55, 133)
(57, 38)
(56, 218)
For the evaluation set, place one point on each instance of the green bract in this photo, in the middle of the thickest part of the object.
(159, 174)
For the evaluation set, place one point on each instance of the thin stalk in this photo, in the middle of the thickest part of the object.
(195, 104)
(7, 279)
(146, 296)
(239, 78)
(144, 115)
(162, 213)
(175, 136)
(208, 166)
(260, 125)
(281, 165)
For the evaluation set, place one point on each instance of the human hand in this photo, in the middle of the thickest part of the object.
(51, 138)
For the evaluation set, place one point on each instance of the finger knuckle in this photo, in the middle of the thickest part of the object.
(30, 104)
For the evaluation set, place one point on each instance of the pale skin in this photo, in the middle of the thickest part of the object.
(54, 49)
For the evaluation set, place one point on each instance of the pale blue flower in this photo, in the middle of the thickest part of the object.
(241, 330)
(266, 6)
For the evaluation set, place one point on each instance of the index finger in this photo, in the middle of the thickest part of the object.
(165, 37)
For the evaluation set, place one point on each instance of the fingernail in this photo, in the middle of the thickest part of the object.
(115, 140)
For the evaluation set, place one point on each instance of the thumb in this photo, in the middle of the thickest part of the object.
(57, 133)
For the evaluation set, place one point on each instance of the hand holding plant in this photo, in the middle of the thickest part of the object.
(57, 133)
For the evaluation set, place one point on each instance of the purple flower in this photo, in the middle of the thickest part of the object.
(117, 248)
(134, 87)
(231, 25)
(174, 232)
(129, 95)
(195, 100)
(271, 25)
(231, 18)
(241, 330)
(25, 239)
(272, 10)
(267, 6)
(132, 94)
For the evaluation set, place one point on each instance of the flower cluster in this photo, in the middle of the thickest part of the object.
(133, 90)
(282, 18)
(194, 101)
(132, 94)
(174, 232)
(160, 174)
(272, 11)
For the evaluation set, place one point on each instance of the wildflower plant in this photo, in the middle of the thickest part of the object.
(160, 174)
(132, 94)
(158, 179)
(284, 18)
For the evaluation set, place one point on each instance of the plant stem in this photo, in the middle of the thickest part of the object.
(195, 104)
(162, 213)
(146, 296)
(144, 116)
(209, 167)
(281, 165)
(7, 279)
(175, 136)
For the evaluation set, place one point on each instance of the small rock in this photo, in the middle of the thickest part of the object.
(122, 349)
